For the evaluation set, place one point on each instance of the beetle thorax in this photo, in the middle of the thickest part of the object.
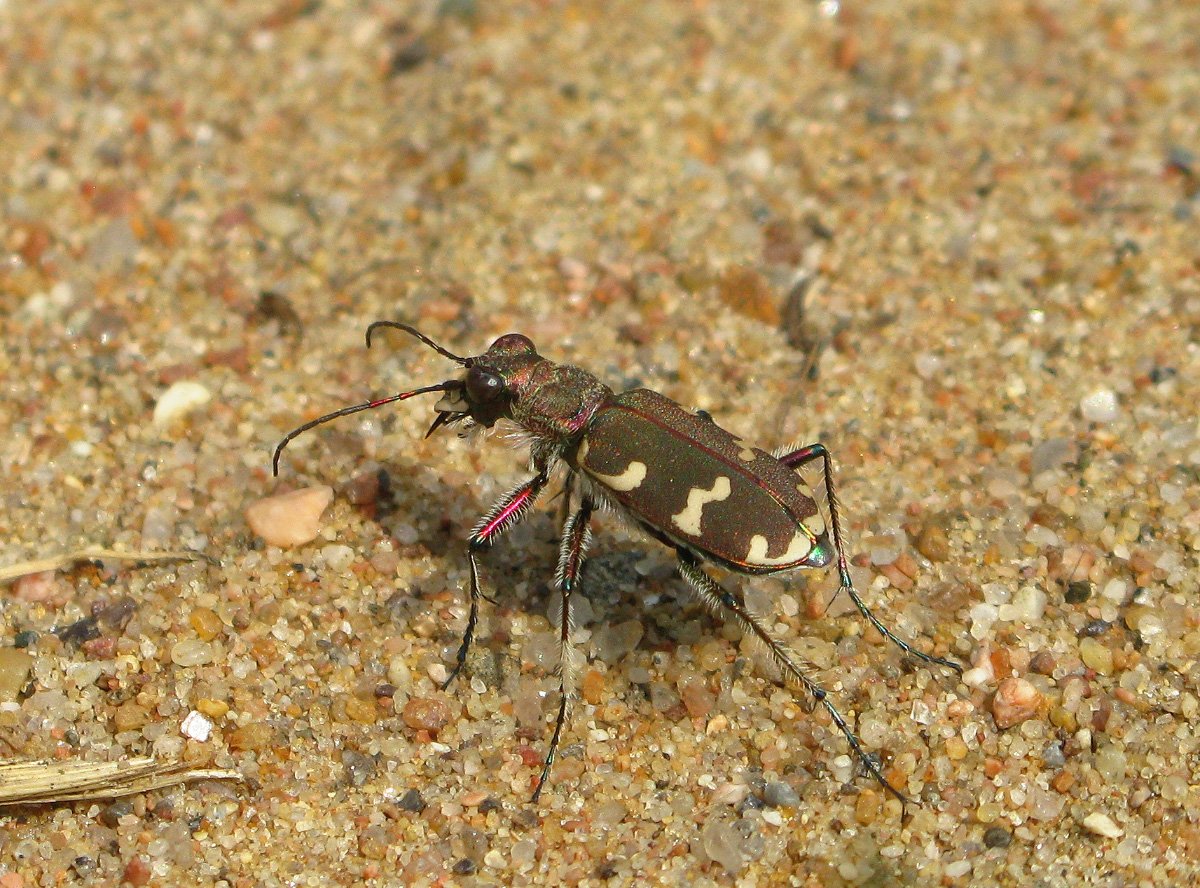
(556, 401)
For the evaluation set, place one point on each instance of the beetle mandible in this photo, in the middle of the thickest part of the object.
(678, 475)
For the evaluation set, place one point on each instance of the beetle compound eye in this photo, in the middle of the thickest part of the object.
(483, 386)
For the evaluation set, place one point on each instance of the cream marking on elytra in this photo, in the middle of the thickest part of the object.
(747, 454)
(815, 523)
(798, 548)
(689, 519)
(630, 479)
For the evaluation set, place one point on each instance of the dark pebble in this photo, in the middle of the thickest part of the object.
(489, 804)
(24, 638)
(411, 801)
(359, 768)
(79, 631)
(84, 866)
(114, 812)
(464, 867)
(1078, 591)
(1094, 628)
(997, 837)
(118, 613)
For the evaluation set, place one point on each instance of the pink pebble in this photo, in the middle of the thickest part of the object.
(289, 519)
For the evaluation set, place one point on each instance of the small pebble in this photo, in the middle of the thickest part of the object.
(15, 665)
(932, 540)
(111, 815)
(289, 519)
(997, 837)
(206, 623)
(196, 727)
(44, 587)
(1099, 406)
(359, 768)
(130, 716)
(362, 711)
(778, 794)
(251, 737)
(612, 642)
(1102, 825)
(411, 801)
(1052, 755)
(723, 843)
(697, 698)
(191, 652)
(422, 714)
(137, 872)
(212, 708)
(373, 843)
(1096, 655)
(1016, 700)
(179, 400)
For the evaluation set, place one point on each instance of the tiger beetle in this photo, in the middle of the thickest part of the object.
(677, 475)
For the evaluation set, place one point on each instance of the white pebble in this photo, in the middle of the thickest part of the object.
(289, 519)
(1102, 825)
(1029, 604)
(1114, 590)
(191, 652)
(196, 727)
(179, 400)
(337, 557)
(1099, 406)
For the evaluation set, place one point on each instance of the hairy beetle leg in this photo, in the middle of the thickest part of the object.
(507, 511)
(803, 456)
(572, 549)
(718, 598)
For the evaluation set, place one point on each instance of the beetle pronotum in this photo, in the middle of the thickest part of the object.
(676, 474)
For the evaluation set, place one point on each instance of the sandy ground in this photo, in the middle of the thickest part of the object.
(954, 242)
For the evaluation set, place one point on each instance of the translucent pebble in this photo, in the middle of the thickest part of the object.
(398, 674)
(523, 852)
(1049, 454)
(722, 843)
(615, 641)
(778, 794)
(928, 365)
(1114, 590)
(1099, 406)
(179, 400)
(1111, 763)
(1102, 825)
(191, 652)
(1029, 604)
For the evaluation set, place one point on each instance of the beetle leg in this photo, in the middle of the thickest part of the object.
(507, 511)
(575, 538)
(718, 598)
(805, 455)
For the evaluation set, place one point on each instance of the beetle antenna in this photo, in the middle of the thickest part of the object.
(346, 411)
(417, 333)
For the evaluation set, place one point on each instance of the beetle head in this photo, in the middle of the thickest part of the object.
(486, 393)
(493, 382)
